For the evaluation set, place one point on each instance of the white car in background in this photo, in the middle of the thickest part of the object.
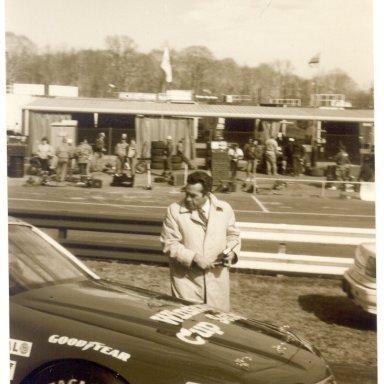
(359, 281)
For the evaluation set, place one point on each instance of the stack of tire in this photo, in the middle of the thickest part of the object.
(158, 149)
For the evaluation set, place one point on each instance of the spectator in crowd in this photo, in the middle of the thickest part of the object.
(252, 154)
(84, 156)
(298, 154)
(121, 150)
(63, 153)
(288, 154)
(367, 170)
(131, 156)
(342, 164)
(180, 150)
(271, 151)
(235, 154)
(99, 152)
(201, 238)
(45, 154)
(72, 157)
(168, 152)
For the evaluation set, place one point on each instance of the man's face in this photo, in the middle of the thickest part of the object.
(194, 196)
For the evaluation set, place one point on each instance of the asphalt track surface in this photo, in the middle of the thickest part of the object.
(295, 204)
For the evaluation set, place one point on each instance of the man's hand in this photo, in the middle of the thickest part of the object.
(202, 262)
(229, 259)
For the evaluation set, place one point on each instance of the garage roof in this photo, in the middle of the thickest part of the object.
(116, 106)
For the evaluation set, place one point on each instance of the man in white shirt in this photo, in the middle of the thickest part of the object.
(235, 154)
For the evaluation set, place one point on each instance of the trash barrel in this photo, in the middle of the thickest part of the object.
(16, 156)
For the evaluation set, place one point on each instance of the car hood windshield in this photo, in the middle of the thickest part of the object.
(34, 261)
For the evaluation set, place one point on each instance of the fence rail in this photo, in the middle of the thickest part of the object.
(150, 250)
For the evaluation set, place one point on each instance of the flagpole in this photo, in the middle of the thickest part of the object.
(314, 63)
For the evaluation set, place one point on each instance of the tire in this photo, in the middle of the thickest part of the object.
(157, 151)
(157, 165)
(71, 370)
(157, 159)
(158, 145)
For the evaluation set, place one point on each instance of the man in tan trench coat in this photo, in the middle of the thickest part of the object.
(200, 236)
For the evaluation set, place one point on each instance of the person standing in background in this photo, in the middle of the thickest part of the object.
(131, 156)
(121, 150)
(63, 156)
(45, 154)
(298, 157)
(342, 164)
(235, 154)
(271, 150)
(168, 152)
(202, 241)
(99, 152)
(180, 150)
(84, 156)
(252, 154)
(72, 157)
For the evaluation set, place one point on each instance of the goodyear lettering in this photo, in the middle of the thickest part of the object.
(20, 347)
(85, 345)
(178, 315)
(198, 333)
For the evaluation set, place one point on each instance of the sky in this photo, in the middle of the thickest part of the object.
(249, 31)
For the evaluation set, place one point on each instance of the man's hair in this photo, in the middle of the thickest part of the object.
(203, 178)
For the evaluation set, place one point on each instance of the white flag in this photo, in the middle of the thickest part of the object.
(166, 65)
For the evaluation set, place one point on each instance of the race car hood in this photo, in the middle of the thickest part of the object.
(228, 338)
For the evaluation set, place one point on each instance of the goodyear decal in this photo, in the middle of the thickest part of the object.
(20, 347)
(85, 345)
(12, 369)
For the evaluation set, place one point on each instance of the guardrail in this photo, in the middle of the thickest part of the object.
(365, 190)
(150, 249)
(65, 222)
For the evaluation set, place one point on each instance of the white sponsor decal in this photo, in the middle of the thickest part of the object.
(197, 334)
(85, 345)
(12, 368)
(178, 315)
(20, 347)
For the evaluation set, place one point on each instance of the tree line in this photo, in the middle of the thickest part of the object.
(119, 66)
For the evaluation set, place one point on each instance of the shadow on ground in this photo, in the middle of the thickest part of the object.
(338, 310)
